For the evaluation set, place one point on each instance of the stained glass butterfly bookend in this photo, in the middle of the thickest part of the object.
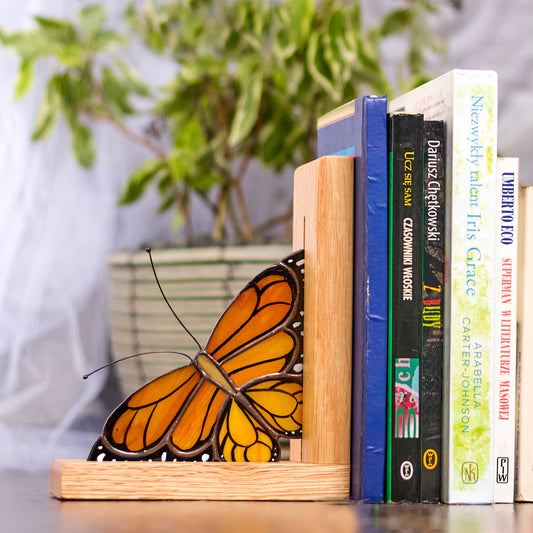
(237, 398)
(229, 385)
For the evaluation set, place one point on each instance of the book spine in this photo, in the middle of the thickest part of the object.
(505, 330)
(432, 310)
(471, 304)
(406, 259)
(524, 397)
(376, 297)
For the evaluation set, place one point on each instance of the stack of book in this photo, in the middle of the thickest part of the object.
(436, 262)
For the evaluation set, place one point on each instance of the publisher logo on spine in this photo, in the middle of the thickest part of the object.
(430, 459)
(502, 470)
(406, 470)
(470, 473)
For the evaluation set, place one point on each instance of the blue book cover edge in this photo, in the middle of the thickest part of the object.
(363, 134)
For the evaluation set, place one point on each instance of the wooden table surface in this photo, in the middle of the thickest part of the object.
(26, 506)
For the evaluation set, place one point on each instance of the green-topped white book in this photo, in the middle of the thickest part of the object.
(467, 101)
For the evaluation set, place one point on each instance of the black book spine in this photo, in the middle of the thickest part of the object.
(432, 310)
(407, 179)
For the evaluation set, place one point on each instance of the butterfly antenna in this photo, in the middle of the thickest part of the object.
(149, 251)
(131, 357)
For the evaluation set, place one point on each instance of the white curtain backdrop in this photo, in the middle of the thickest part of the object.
(58, 223)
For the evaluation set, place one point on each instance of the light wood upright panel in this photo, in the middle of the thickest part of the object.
(323, 226)
(319, 468)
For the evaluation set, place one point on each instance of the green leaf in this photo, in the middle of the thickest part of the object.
(73, 94)
(232, 41)
(56, 30)
(139, 181)
(273, 145)
(295, 19)
(319, 68)
(202, 182)
(396, 21)
(296, 16)
(115, 91)
(44, 123)
(24, 78)
(189, 135)
(343, 53)
(165, 204)
(27, 44)
(92, 17)
(167, 189)
(247, 110)
(415, 59)
(108, 40)
(367, 56)
(180, 162)
(134, 81)
(195, 70)
(285, 47)
(72, 55)
(83, 145)
(165, 183)
(352, 21)
(47, 115)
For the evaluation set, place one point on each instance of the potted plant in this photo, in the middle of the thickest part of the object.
(250, 79)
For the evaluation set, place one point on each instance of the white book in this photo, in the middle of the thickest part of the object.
(505, 330)
(467, 101)
(524, 448)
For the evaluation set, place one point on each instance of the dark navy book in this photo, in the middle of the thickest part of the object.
(359, 129)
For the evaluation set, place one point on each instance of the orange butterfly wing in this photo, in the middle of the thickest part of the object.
(259, 337)
(261, 307)
(243, 436)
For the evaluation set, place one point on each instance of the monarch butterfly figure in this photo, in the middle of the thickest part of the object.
(237, 397)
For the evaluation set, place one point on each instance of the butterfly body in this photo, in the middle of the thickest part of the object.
(237, 397)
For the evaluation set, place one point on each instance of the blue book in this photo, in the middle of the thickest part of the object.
(359, 129)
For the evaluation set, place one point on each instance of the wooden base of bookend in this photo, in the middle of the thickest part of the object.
(319, 468)
(87, 480)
